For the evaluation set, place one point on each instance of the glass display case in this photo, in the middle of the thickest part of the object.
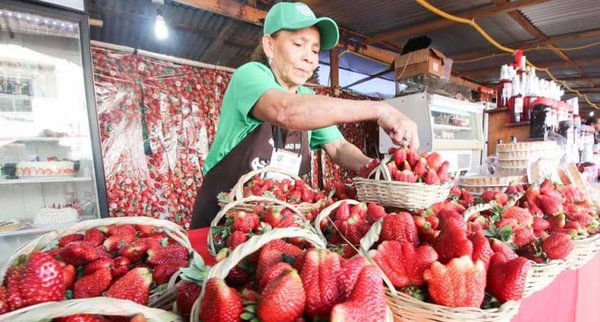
(453, 127)
(51, 169)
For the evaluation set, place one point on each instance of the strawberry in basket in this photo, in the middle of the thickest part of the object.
(408, 166)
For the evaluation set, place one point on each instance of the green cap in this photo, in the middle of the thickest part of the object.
(295, 16)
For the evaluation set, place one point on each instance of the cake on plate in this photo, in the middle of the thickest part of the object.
(53, 216)
(45, 168)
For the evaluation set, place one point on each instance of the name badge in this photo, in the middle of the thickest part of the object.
(286, 160)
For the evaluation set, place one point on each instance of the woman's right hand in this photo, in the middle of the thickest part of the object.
(401, 129)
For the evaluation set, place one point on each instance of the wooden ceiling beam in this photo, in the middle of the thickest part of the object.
(212, 52)
(442, 23)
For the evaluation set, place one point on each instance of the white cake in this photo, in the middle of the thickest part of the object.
(53, 216)
(45, 169)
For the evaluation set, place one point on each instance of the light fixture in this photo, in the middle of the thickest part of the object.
(591, 113)
(160, 27)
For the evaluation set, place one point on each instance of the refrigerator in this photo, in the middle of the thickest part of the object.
(50, 157)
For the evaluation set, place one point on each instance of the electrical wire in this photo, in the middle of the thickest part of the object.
(496, 44)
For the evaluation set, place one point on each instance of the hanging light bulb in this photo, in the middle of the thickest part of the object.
(591, 113)
(160, 27)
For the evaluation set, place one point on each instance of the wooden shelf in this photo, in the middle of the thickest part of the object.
(518, 124)
(497, 110)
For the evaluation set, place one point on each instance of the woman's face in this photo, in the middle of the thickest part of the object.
(294, 54)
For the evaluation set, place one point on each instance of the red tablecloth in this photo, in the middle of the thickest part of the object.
(574, 296)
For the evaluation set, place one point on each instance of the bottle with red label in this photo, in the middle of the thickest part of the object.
(504, 88)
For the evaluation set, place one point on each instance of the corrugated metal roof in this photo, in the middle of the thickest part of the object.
(565, 16)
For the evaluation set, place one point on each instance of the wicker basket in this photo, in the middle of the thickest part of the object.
(95, 305)
(325, 214)
(237, 192)
(585, 249)
(246, 202)
(407, 308)
(157, 299)
(541, 275)
(399, 194)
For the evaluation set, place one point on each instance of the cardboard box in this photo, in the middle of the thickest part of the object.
(423, 61)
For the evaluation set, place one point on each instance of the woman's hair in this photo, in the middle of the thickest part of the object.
(258, 55)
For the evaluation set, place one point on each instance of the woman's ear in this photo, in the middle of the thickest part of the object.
(267, 44)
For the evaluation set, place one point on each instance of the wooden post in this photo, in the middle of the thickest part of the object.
(334, 72)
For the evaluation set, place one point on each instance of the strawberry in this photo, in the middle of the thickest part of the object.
(272, 273)
(342, 212)
(442, 172)
(412, 158)
(78, 253)
(133, 286)
(399, 156)
(138, 318)
(549, 205)
(506, 277)
(187, 293)
(174, 253)
(283, 299)
(366, 302)
(353, 228)
(119, 266)
(82, 318)
(460, 283)
(523, 236)
(13, 283)
(522, 215)
(245, 222)
(65, 240)
(94, 236)
(557, 223)
(558, 246)
(466, 198)
(540, 223)
(455, 192)
(482, 250)
(452, 242)
(400, 227)
(320, 278)
(405, 176)
(402, 262)
(375, 212)
(499, 197)
(121, 230)
(350, 270)
(237, 276)
(41, 280)
(546, 186)
(431, 178)
(92, 285)
(4, 306)
(420, 167)
(220, 302)
(134, 251)
(69, 274)
(500, 247)
(146, 230)
(116, 242)
(273, 253)
(237, 238)
(307, 195)
(434, 161)
(554, 195)
(393, 170)
(162, 273)
(512, 222)
(96, 265)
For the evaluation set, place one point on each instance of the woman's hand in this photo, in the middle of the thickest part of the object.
(401, 129)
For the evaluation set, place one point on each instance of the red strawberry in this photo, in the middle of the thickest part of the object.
(42, 280)
(272, 273)
(452, 242)
(399, 156)
(549, 205)
(237, 277)
(523, 236)
(187, 293)
(540, 223)
(402, 262)
(554, 195)
(557, 223)
(283, 299)
(522, 215)
(455, 192)
(146, 230)
(65, 240)
(499, 197)
(350, 270)
(4, 306)
(13, 283)
(466, 198)
(307, 195)
(500, 247)
(431, 178)
(442, 172)
(320, 278)
(366, 302)
(92, 285)
(353, 228)
(420, 167)
(546, 186)
(120, 266)
(531, 194)
(460, 283)
(506, 277)
(94, 236)
(405, 176)
(134, 251)
(220, 302)
(82, 318)
(342, 212)
(96, 265)
(412, 158)
(400, 227)
(78, 253)
(393, 169)
(272, 253)
(558, 246)
(163, 272)
(482, 250)
(116, 242)
(133, 286)
(174, 253)
(375, 212)
(121, 230)
(69, 274)
(434, 161)
(236, 239)
(245, 222)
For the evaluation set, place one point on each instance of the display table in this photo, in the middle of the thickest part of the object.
(573, 296)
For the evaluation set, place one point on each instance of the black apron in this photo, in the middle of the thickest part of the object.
(253, 152)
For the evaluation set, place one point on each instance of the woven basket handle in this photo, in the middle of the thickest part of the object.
(382, 169)
(326, 212)
(94, 305)
(221, 269)
(237, 192)
(487, 206)
(232, 205)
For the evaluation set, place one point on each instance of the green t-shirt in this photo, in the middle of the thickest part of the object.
(248, 83)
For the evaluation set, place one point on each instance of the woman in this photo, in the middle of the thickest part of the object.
(268, 117)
